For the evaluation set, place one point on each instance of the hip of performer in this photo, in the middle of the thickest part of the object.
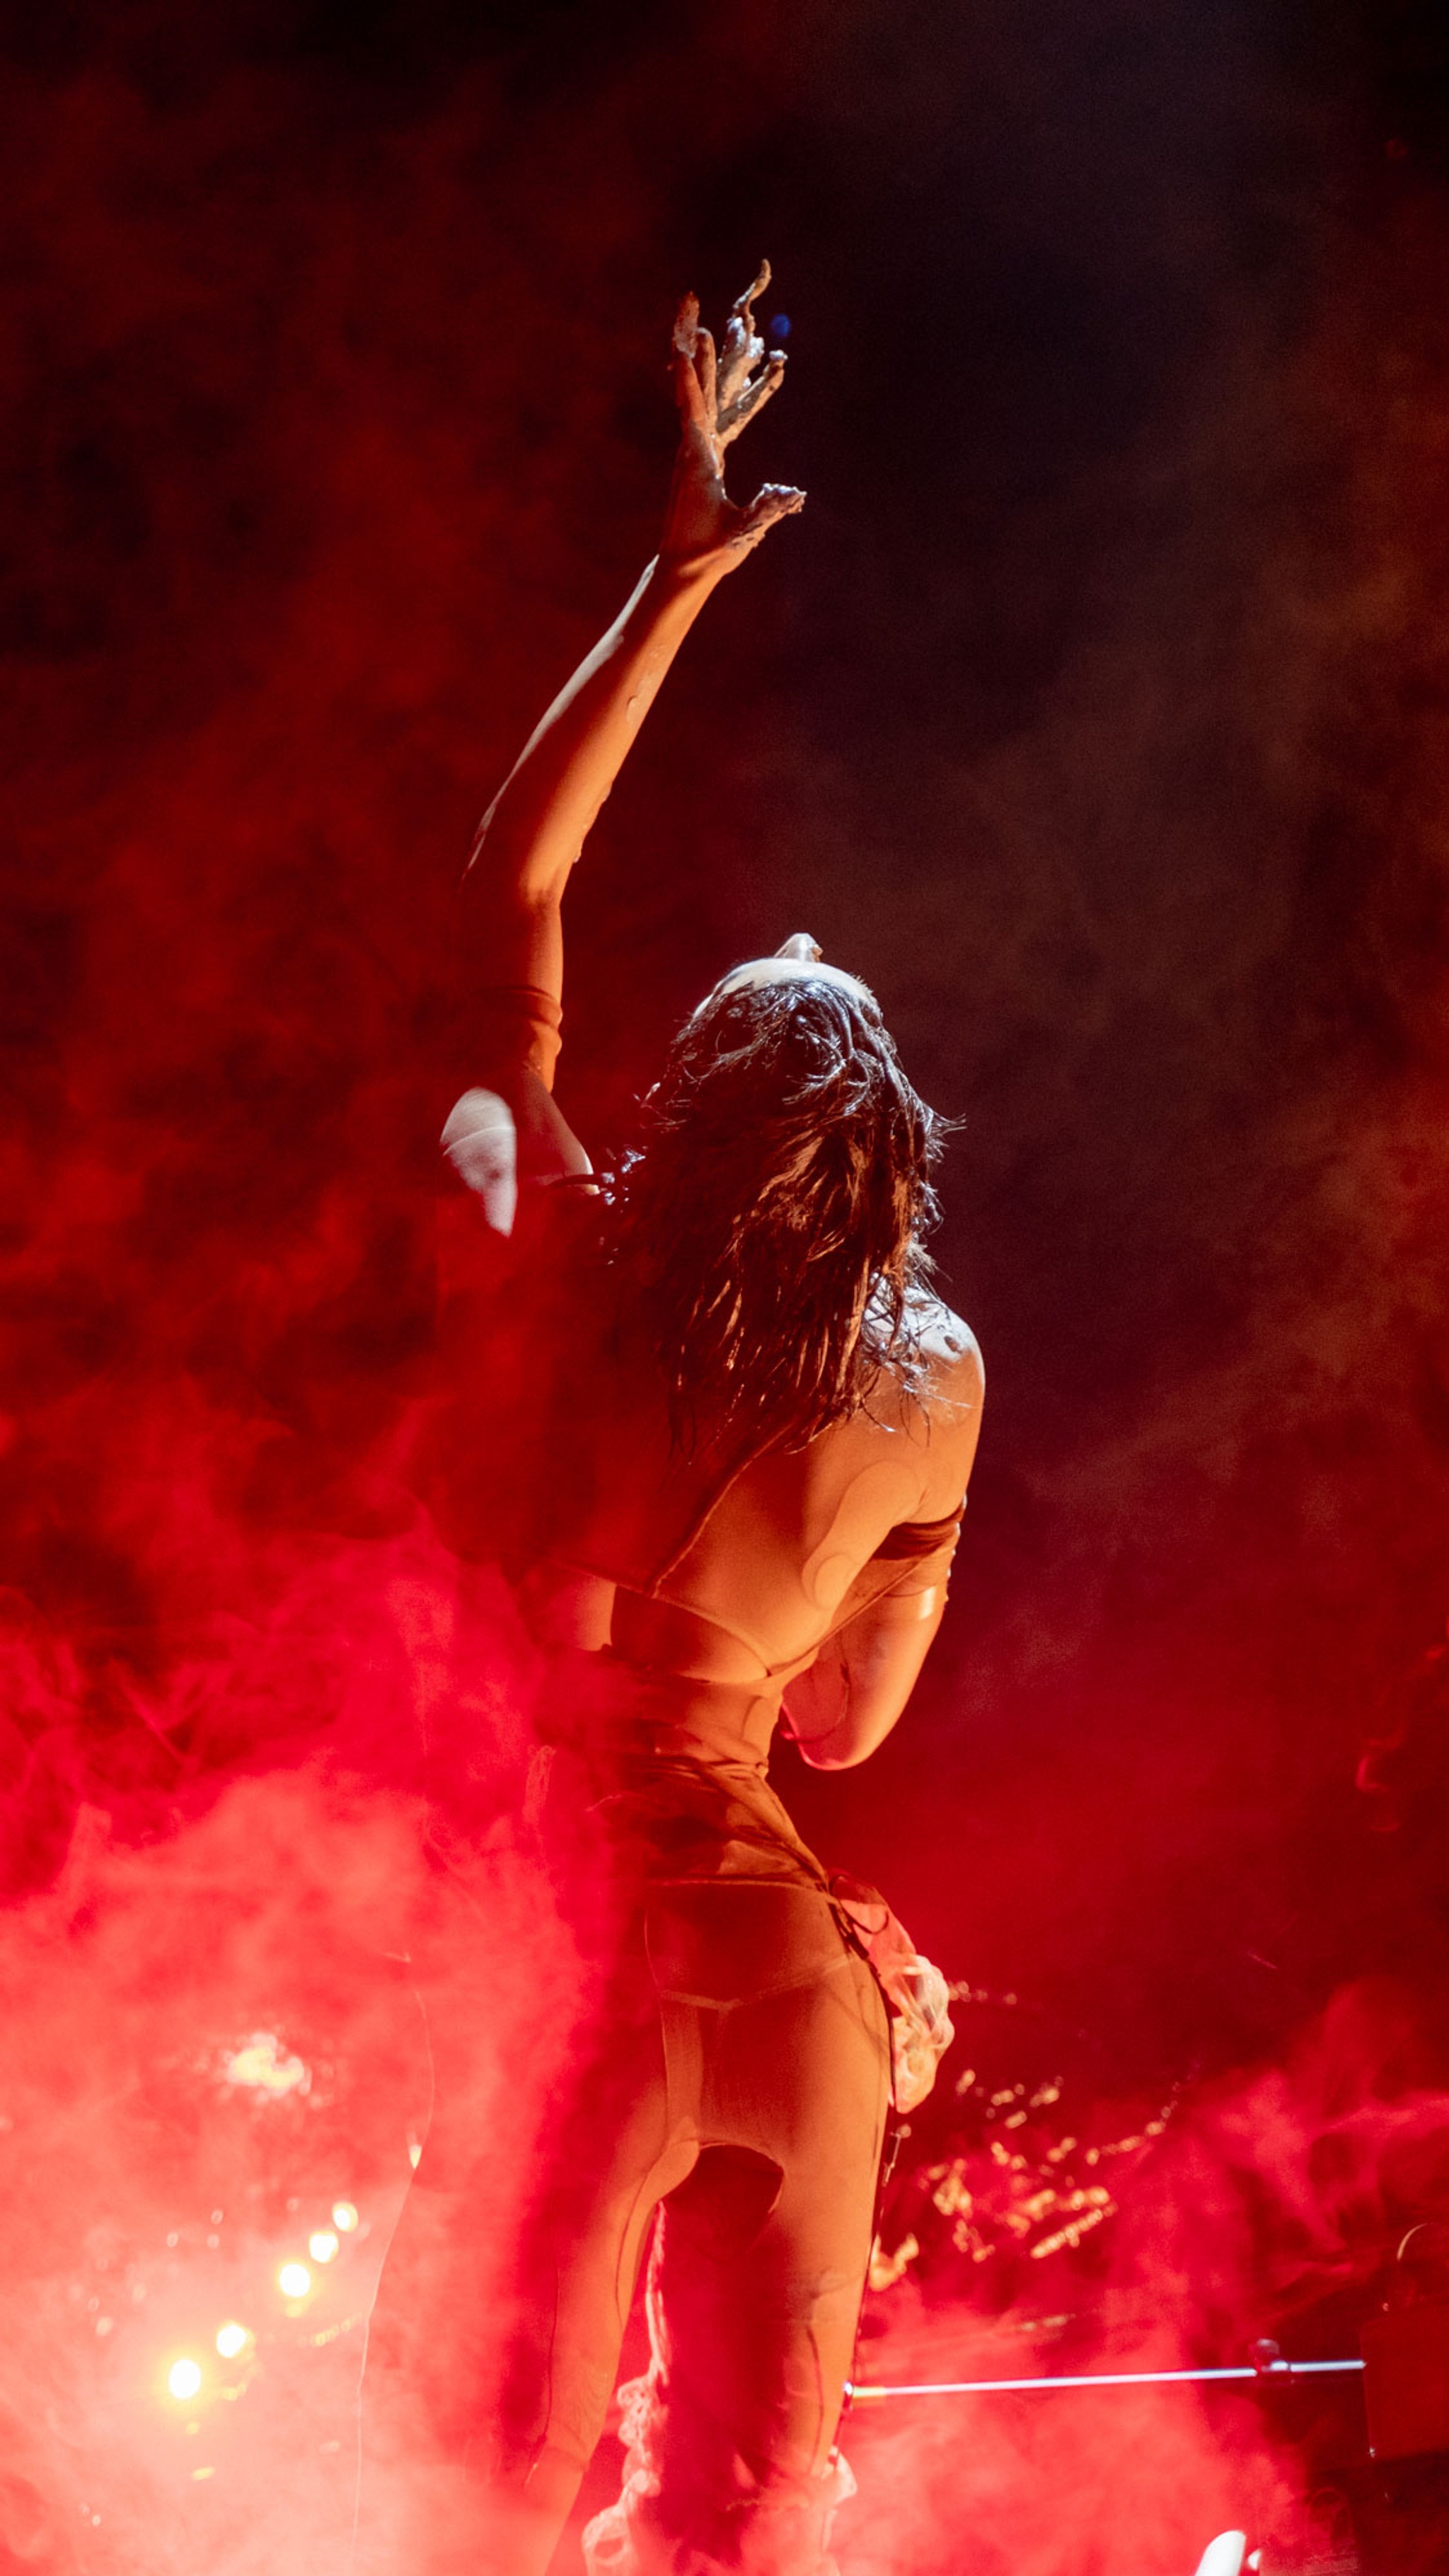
(736, 1425)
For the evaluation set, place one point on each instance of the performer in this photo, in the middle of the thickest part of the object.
(748, 1476)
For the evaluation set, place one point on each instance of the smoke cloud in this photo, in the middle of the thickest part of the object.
(1093, 710)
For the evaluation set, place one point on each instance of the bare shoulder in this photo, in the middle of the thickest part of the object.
(951, 1385)
(949, 1351)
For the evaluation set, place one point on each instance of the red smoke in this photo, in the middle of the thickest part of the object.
(328, 453)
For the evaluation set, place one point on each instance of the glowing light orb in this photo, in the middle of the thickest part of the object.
(231, 2339)
(322, 2246)
(266, 2066)
(184, 2380)
(344, 2216)
(294, 2280)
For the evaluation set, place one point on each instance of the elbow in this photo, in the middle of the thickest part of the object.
(837, 1751)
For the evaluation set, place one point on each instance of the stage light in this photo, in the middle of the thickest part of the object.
(344, 2216)
(322, 2246)
(184, 2380)
(294, 2280)
(231, 2339)
(263, 2065)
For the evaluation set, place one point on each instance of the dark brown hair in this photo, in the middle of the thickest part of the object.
(767, 1227)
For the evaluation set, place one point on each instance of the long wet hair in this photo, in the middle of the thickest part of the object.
(766, 1232)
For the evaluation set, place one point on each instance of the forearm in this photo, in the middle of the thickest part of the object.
(535, 828)
(537, 824)
(845, 1706)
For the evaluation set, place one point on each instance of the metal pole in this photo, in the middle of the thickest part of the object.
(1094, 2379)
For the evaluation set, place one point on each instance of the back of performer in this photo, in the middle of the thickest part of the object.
(750, 1426)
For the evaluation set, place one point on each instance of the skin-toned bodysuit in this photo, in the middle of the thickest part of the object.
(737, 2079)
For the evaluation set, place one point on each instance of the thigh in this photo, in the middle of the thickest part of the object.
(618, 2142)
(774, 2025)
(800, 2081)
(763, 2251)
(481, 2350)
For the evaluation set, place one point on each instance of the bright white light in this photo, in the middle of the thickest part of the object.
(344, 2216)
(264, 2064)
(415, 2155)
(322, 2246)
(184, 2380)
(231, 2339)
(294, 2280)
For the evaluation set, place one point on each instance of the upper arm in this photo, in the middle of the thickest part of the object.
(513, 937)
(849, 1700)
(506, 1136)
(863, 1678)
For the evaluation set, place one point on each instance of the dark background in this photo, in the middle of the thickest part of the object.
(1094, 710)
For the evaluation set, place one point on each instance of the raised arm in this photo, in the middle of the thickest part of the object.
(536, 826)
(506, 1130)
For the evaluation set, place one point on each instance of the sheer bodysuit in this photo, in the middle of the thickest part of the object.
(733, 2095)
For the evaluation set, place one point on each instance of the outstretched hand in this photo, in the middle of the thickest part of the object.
(716, 395)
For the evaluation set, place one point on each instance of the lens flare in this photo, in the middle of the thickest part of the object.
(344, 2216)
(294, 2280)
(184, 2380)
(231, 2339)
(322, 2246)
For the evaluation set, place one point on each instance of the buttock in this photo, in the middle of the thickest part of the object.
(722, 1944)
(774, 2032)
(737, 2015)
